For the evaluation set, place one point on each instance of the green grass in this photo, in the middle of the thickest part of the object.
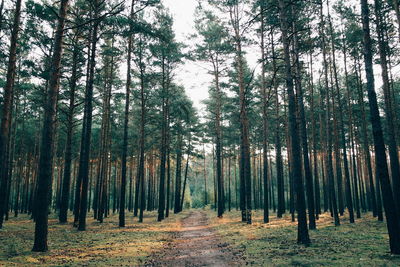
(364, 243)
(101, 245)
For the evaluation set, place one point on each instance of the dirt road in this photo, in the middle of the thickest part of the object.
(197, 244)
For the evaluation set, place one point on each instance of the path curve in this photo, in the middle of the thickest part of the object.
(196, 244)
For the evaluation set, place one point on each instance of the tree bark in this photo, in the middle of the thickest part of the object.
(389, 111)
(126, 125)
(45, 170)
(245, 168)
(83, 172)
(302, 236)
(382, 172)
(7, 112)
(303, 132)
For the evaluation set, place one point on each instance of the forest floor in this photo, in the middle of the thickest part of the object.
(197, 244)
(364, 243)
(199, 238)
(102, 244)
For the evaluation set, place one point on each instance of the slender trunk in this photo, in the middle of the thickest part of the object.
(342, 137)
(349, 195)
(314, 144)
(126, 126)
(278, 145)
(7, 114)
(178, 173)
(68, 144)
(332, 203)
(244, 123)
(142, 143)
(205, 176)
(83, 173)
(168, 198)
(186, 174)
(265, 118)
(303, 133)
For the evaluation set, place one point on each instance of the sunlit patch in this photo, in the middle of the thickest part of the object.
(274, 243)
(102, 244)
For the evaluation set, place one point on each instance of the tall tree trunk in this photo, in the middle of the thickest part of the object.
(389, 111)
(178, 173)
(265, 117)
(83, 172)
(349, 195)
(205, 176)
(314, 143)
(168, 198)
(142, 142)
(70, 131)
(302, 236)
(245, 168)
(186, 174)
(164, 140)
(278, 145)
(126, 125)
(341, 133)
(382, 172)
(45, 171)
(218, 143)
(328, 140)
(7, 112)
(303, 131)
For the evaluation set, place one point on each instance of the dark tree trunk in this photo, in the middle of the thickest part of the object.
(265, 118)
(349, 195)
(7, 112)
(341, 134)
(68, 143)
(278, 145)
(218, 145)
(382, 172)
(314, 145)
(142, 142)
(303, 133)
(164, 140)
(302, 236)
(168, 198)
(45, 171)
(178, 173)
(186, 174)
(245, 168)
(83, 172)
(332, 203)
(126, 126)
(389, 111)
(205, 176)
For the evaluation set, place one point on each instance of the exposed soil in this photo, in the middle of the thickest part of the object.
(196, 244)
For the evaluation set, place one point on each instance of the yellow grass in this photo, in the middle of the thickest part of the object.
(103, 244)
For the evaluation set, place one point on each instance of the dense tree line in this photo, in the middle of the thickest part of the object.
(94, 121)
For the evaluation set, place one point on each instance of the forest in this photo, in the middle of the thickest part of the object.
(199, 133)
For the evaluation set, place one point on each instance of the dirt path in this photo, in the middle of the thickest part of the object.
(197, 244)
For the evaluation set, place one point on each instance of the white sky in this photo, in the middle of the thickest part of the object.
(191, 75)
